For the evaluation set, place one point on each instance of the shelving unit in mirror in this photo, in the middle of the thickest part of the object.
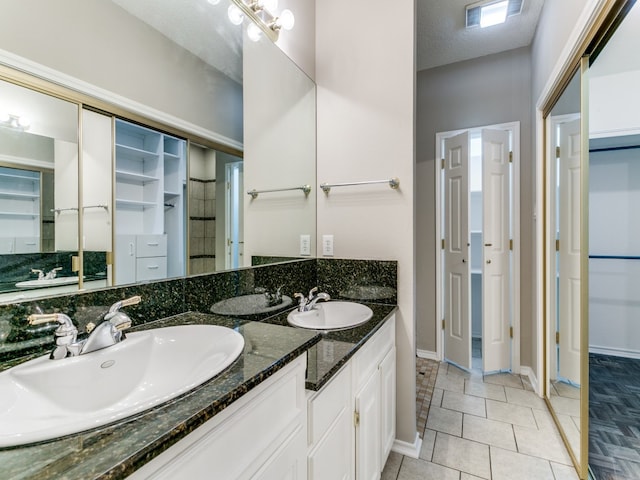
(150, 194)
(20, 210)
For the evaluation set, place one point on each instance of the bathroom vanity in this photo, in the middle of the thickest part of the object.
(276, 412)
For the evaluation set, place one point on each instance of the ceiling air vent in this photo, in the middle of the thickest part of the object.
(491, 12)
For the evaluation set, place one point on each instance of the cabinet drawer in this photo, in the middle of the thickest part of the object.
(151, 246)
(27, 245)
(327, 405)
(151, 268)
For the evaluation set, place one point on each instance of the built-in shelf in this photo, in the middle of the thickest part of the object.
(126, 203)
(20, 177)
(140, 154)
(21, 196)
(135, 177)
(20, 215)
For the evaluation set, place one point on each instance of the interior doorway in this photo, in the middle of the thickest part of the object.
(477, 265)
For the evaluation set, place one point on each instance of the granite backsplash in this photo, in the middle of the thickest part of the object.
(373, 281)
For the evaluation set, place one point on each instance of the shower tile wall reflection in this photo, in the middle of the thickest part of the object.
(202, 224)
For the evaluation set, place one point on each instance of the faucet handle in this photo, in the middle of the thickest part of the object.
(312, 292)
(40, 318)
(124, 303)
(65, 333)
(39, 272)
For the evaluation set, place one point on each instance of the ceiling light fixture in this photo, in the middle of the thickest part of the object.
(261, 13)
(14, 122)
(491, 12)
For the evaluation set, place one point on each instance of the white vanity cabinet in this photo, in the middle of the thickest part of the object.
(261, 436)
(352, 418)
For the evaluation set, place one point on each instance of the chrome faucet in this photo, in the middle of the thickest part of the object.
(50, 275)
(107, 333)
(308, 303)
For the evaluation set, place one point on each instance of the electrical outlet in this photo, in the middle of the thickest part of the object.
(305, 244)
(327, 245)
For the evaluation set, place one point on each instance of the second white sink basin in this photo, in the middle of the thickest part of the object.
(44, 399)
(331, 315)
(49, 282)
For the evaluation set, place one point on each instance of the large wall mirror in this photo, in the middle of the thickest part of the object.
(593, 180)
(169, 115)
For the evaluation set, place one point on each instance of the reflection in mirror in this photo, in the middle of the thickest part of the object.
(215, 210)
(614, 252)
(564, 322)
(38, 192)
(187, 73)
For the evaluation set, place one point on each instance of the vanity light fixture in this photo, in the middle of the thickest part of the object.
(491, 12)
(262, 16)
(14, 122)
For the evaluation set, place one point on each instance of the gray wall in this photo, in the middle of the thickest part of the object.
(484, 91)
(99, 43)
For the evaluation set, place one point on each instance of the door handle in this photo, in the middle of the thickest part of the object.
(488, 244)
(464, 261)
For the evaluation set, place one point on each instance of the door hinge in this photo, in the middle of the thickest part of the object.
(557, 245)
(356, 418)
(442, 243)
(443, 323)
(511, 244)
(557, 152)
(510, 332)
(557, 338)
(442, 163)
(510, 157)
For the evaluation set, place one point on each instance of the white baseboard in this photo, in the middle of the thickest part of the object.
(616, 352)
(427, 354)
(409, 449)
(528, 372)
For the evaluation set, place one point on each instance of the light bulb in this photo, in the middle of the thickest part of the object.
(235, 15)
(286, 20)
(253, 32)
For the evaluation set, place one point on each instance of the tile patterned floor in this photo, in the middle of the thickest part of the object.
(614, 417)
(490, 427)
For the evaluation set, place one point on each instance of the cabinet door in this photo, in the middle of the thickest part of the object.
(125, 259)
(151, 268)
(332, 456)
(368, 430)
(288, 463)
(387, 404)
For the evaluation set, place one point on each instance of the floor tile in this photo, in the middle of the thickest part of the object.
(466, 476)
(444, 420)
(505, 379)
(436, 399)
(454, 383)
(464, 403)
(392, 467)
(417, 469)
(565, 405)
(506, 465)
(479, 389)
(506, 412)
(464, 455)
(491, 432)
(564, 472)
(426, 450)
(545, 444)
(524, 398)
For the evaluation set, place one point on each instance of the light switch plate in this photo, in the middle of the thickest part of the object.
(327, 245)
(305, 244)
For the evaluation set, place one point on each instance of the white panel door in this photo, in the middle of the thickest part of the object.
(457, 278)
(569, 252)
(496, 318)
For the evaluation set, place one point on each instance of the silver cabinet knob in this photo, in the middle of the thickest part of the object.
(488, 261)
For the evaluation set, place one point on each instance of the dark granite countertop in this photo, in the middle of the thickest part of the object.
(115, 451)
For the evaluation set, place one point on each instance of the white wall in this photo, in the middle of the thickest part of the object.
(365, 72)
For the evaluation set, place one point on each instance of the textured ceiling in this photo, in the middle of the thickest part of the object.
(443, 38)
(197, 26)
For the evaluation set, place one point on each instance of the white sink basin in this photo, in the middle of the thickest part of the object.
(331, 315)
(248, 305)
(50, 282)
(44, 399)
